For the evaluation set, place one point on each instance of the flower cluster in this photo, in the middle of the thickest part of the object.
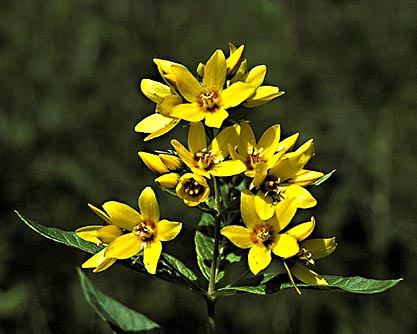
(222, 169)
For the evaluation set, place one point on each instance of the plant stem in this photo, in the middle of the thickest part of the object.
(211, 323)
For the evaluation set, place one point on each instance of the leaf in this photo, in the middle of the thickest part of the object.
(68, 238)
(204, 247)
(120, 318)
(266, 284)
(323, 178)
(171, 269)
(206, 220)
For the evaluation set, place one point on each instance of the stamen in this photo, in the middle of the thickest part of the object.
(193, 188)
(144, 231)
(205, 158)
(263, 233)
(209, 100)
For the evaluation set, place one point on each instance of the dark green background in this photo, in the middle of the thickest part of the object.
(68, 105)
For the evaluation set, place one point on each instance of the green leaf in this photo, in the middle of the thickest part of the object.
(204, 246)
(180, 268)
(206, 220)
(323, 178)
(68, 238)
(271, 283)
(120, 318)
(232, 257)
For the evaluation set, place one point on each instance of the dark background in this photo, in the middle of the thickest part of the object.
(68, 105)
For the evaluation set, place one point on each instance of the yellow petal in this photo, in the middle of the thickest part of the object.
(122, 214)
(153, 123)
(264, 206)
(215, 71)
(304, 199)
(215, 119)
(154, 90)
(238, 235)
(124, 247)
(263, 94)
(108, 233)
(168, 230)
(256, 76)
(247, 209)
(259, 258)
(235, 94)
(151, 255)
(148, 205)
(288, 166)
(187, 111)
(172, 162)
(285, 245)
(269, 140)
(107, 262)
(306, 275)
(228, 168)
(165, 106)
(196, 182)
(302, 231)
(186, 156)
(163, 130)
(196, 138)
(169, 180)
(153, 162)
(95, 260)
(261, 171)
(187, 84)
(228, 136)
(100, 213)
(320, 248)
(89, 233)
(305, 177)
(285, 211)
(240, 72)
(288, 143)
(247, 138)
(234, 59)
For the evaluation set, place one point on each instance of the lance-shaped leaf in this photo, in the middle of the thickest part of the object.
(169, 268)
(204, 246)
(323, 178)
(119, 317)
(271, 283)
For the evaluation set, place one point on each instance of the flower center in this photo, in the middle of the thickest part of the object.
(305, 256)
(205, 158)
(255, 156)
(272, 188)
(144, 230)
(263, 233)
(193, 188)
(209, 100)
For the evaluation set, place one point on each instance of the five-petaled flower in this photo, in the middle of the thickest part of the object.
(146, 230)
(209, 160)
(266, 236)
(209, 99)
(192, 189)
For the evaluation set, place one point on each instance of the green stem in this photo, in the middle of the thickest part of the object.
(211, 324)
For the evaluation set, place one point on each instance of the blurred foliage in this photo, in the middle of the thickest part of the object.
(68, 105)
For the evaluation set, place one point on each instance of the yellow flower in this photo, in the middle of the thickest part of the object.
(268, 150)
(193, 189)
(264, 236)
(285, 179)
(100, 235)
(209, 160)
(169, 180)
(208, 100)
(147, 230)
(160, 163)
(310, 250)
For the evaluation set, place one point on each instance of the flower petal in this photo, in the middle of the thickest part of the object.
(285, 211)
(98, 261)
(259, 258)
(108, 233)
(302, 231)
(168, 230)
(234, 60)
(288, 143)
(215, 119)
(153, 123)
(186, 156)
(196, 138)
(122, 214)
(304, 199)
(305, 177)
(264, 205)
(153, 162)
(306, 275)
(263, 95)
(256, 76)
(89, 233)
(320, 248)
(285, 245)
(169, 180)
(103, 215)
(154, 90)
(124, 247)
(235, 94)
(151, 255)
(228, 168)
(215, 71)
(247, 209)
(246, 139)
(228, 136)
(269, 140)
(187, 111)
(148, 205)
(186, 83)
(240, 236)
